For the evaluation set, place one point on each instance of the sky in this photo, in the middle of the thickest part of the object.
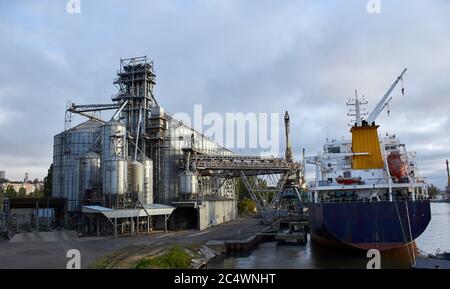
(249, 56)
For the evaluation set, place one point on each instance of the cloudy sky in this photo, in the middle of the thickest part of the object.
(230, 56)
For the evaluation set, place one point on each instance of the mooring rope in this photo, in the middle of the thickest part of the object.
(410, 232)
(403, 231)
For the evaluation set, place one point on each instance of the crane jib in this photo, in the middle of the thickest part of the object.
(383, 102)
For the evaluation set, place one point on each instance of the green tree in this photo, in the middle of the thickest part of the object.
(433, 191)
(48, 182)
(241, 190)
(37, 193)
(10, 192)
(22, 193)
(246, 206)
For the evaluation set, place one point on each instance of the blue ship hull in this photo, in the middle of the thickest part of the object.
(370, 225)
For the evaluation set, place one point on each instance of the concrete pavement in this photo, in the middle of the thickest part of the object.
(48, 250)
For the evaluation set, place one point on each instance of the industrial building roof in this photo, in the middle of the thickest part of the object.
(153, 210)
(97, 208)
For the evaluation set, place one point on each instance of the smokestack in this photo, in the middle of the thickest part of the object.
(287, 125)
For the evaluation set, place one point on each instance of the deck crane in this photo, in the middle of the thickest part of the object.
(385, 100)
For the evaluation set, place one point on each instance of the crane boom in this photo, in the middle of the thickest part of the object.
(384, 101)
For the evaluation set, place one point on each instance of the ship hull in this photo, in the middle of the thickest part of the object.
(369, 225)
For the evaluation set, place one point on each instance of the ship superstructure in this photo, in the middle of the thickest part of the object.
(368, 192)
(339, 168)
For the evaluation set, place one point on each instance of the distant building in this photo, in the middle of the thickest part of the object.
(2, 175)
(26, 179)
(29, 187)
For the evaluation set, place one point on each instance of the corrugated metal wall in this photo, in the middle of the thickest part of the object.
(80, 139)
(178, 136)
(67, 150)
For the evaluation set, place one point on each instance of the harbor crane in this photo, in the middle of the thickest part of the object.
(385, 100)
(448, 174)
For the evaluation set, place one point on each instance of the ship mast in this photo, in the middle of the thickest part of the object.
(358, 112)
(357, 109)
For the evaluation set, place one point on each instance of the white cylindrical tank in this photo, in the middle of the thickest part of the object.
(148, 182)
(114, 166)
(187, 183)
(113, 140)
(137, 177)
(89, 172)
(114, 176)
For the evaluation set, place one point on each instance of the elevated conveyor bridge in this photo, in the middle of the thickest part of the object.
(264, 177)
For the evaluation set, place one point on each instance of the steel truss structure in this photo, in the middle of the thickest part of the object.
(264, 177)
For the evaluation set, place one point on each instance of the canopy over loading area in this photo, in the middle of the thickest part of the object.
(131, 219)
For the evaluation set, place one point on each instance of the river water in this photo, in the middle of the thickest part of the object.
(312, 256)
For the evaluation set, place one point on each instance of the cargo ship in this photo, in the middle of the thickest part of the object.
(368, 192)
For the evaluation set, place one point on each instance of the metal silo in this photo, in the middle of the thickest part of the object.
(137, 178)
(114, 164)
(58, 164)
(148, 182)
(114, 176)
(113, 140)
(89, 172)
(188, 183)
(69, 146)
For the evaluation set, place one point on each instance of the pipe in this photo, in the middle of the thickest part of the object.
(119, 110)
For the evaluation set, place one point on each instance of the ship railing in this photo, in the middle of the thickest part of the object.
(375, 181)
(367, 200)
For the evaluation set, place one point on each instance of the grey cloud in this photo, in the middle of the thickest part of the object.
(230, 56)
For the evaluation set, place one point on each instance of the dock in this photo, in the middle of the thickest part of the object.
(431, 263)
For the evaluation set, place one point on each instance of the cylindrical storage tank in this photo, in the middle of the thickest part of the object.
(114, 176)
(69, 146)
(89, 172)
(148, 182)
(188, 183)
(137, 178)
(113, 139)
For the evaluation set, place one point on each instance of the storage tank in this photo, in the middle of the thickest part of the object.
(114, 176)
(148, 181)
(113, 140)
(137, 178)
(188, 183)
(114, 165)
(89, 172)
(68, 149)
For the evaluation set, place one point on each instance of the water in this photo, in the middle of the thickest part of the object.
(312, 256)
(437, 235)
